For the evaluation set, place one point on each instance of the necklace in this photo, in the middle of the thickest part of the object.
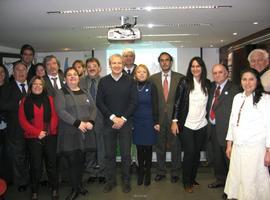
(140, 89)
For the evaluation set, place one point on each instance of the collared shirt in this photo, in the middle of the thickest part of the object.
(197, 108)
(116, 78)
(169, 77)
(130, 68)
(222, 85)
(25, 85)
(249, 124)
(57, 81)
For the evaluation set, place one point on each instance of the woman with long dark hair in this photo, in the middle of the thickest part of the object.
(39, 121)
(189, 118)
(248, 141)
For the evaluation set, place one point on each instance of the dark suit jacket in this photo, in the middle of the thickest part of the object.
(9, 103)
(166, 106)
(222, 109)
(49, 87)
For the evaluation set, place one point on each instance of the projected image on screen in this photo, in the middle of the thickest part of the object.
(145, 54)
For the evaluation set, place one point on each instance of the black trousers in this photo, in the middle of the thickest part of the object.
(144, 155)
(40, 151)
(111, 138)
(75, 161)
(220, 160)
(192, 141)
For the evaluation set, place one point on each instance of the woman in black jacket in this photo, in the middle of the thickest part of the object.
(189, 118)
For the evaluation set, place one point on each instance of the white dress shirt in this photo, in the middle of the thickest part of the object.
(253, 125)
(197, 108)
(57, 81)
(25, 85)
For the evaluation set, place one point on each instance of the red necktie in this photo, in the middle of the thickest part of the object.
(212, 111)
(165, 87)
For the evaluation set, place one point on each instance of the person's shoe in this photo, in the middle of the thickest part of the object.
(174, 179)
(102, 180)
(195, 184)
(34, 196)
(215, 185)
(91, 179)
(224, 196)
(55, 195)
(22, 188)
(83, 191)
(73, 194)
(159, 177)
(126, 188)
(108, 187)
(147, 178)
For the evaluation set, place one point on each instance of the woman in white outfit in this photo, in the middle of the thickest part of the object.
(248, 142)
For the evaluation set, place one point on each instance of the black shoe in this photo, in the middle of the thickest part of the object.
(159, 177)
(43, 183)
(174, 179)
(91, 179)
(22, 188)
(147, 179)
(55, 195)
(73, 194)
(195, 184)
(215, 185)
(102, 180)
(126, 188)
(224, 196)
(108, 187)
(83, 191)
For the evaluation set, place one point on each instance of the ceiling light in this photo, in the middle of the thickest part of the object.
(221, 40)
(235, 33)
(255, 23)
(148, 8)
(169, 35)
(150, 25)
(211, 46)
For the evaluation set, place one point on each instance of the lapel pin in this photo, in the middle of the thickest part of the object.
(226, 93)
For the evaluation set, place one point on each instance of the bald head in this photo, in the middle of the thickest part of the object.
(219, 73)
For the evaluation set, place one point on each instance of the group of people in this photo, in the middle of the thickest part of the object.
(72, 122)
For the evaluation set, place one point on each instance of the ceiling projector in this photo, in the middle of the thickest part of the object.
(124, 32)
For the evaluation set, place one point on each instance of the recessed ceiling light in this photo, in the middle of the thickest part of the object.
(211, 45)
(66, 49)
(150, 25)
(221, 40)
(235, 33)
(255, 23)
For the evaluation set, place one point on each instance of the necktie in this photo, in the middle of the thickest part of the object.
(128, 71)
(55, 86)
(23, 89)
(212, 111)
(166, 87)
(93, 89)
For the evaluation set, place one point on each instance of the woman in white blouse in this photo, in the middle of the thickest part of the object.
(248, 141)
(189, 118)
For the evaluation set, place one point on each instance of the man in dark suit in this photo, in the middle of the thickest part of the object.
(117, 100)
(13, 92)
(219, 106)
(89, 83)
(128, 61)
(54, 80)
(166, 82)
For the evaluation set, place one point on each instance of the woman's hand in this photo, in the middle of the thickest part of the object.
(229, 149)
(157, 127)
(42, 134)
(267, 158)
(89, 126)
(174, 128)
(83, 127)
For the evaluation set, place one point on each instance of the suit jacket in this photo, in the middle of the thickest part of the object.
(49, 87)
(132, 74)
(222, 109)
(9, 103)
(166, 107)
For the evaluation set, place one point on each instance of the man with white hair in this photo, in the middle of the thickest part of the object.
(128, 61)
(259, 60)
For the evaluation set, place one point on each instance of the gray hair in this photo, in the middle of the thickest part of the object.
(256, 51)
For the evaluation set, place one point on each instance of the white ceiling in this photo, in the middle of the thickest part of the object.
(27, 21)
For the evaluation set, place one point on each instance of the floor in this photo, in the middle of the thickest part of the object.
(163, 190)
